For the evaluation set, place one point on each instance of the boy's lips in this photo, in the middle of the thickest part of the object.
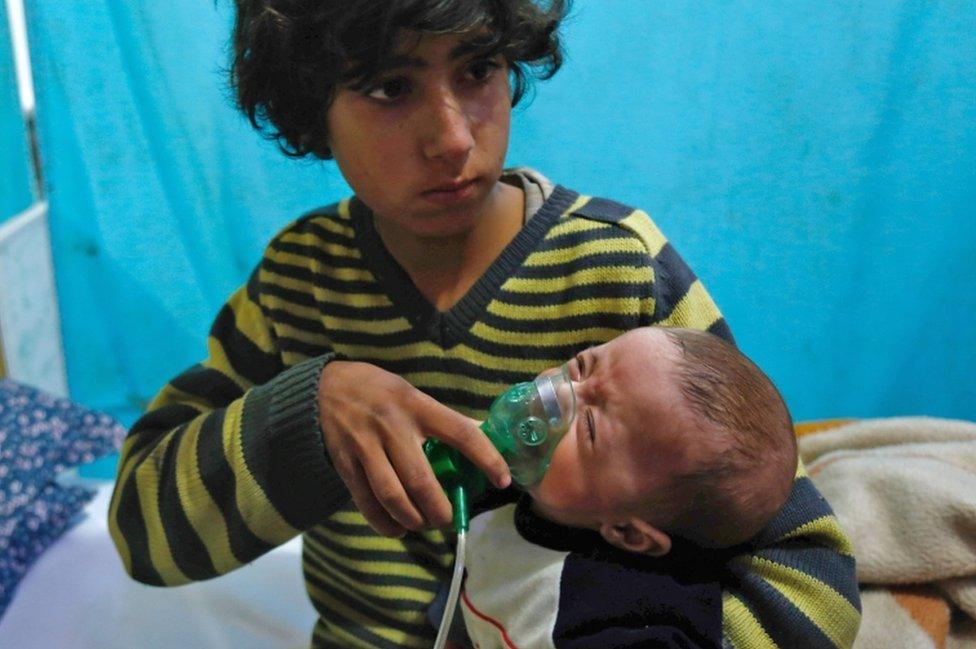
(451, 192)
(450, 186)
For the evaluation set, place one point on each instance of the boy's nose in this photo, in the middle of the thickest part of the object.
(448, 128)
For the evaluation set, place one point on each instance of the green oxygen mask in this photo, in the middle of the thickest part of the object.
(525, 423)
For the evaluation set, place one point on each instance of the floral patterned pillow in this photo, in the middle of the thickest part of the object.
(40, 437)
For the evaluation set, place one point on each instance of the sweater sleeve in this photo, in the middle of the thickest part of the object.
(797, 587)
(228, 461)
(796, 584)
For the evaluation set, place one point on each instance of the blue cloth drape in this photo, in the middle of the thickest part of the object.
(813, 162)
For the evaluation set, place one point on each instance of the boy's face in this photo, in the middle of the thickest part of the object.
(424, 145)
(629, 436)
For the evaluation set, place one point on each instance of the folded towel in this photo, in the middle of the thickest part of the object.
(904, 489)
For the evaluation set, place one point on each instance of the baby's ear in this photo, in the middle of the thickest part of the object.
(636, 535)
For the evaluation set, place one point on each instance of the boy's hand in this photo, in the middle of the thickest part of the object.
(374, 423)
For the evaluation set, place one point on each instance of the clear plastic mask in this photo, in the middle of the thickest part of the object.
(528, 420)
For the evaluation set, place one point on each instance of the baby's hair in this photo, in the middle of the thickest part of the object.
(291, 55)
(749, 473)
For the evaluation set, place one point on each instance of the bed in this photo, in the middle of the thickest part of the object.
(904, 490)
(61, 580)
(77, 595)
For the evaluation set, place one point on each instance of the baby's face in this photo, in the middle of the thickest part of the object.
(629, 435)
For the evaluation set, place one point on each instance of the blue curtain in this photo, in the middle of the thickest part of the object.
(813, 162)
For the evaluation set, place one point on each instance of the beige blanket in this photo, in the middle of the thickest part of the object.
(904, 489)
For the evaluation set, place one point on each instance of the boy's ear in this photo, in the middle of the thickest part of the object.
(636, 535)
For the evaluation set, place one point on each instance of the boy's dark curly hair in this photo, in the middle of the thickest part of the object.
(290, 55)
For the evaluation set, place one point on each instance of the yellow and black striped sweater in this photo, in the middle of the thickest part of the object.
(228, 462)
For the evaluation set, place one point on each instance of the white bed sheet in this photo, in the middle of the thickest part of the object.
(78, 596)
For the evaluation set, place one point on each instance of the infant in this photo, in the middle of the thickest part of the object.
(680, 447)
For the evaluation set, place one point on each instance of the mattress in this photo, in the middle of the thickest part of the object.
(78, 596)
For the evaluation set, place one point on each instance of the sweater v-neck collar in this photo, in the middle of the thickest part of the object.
(448, 328)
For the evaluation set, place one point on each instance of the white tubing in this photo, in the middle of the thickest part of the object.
(453, 593)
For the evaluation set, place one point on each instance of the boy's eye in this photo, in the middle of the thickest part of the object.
(482, 69)
(389, 90)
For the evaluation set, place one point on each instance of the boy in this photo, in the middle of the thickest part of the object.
(681, 446)
(370, 324)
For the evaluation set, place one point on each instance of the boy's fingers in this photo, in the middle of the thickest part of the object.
(420, 484)
(391, 495)
(463, 433)
(371, 509)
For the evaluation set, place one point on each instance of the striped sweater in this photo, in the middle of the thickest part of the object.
(229, 462)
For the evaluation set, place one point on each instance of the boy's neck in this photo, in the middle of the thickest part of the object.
(444, 269)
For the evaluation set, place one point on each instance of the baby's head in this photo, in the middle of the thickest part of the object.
(676, 434)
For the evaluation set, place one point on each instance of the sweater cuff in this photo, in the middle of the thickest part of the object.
(284, 448)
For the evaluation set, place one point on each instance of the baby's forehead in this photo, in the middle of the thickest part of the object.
(643, 373)
(640, 351)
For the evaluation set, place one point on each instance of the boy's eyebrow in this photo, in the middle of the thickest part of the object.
(462, 49)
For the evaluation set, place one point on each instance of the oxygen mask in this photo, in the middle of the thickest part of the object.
(525, 423)
(528, 420)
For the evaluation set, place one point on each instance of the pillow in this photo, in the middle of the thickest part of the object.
(40, 437)
(29, 531)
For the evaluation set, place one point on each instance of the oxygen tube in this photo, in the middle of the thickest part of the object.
(525, 424)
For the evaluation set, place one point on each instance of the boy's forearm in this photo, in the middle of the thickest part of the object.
(199, 494)
(798, 586)
(227, 463)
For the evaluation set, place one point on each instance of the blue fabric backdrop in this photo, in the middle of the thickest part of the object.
(813, 162)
